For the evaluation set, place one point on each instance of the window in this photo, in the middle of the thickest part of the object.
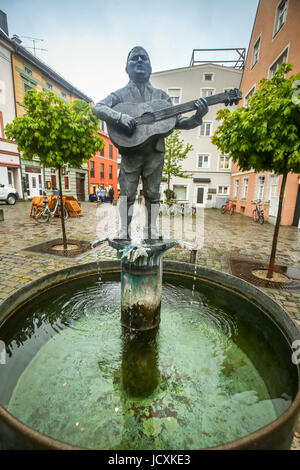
(110, 151)
(10, 178)
(274, 179)
(180, 192)
(275, 66)
(67, 182)
(27, 86)
(102, 152)
(92, 169)
(248, 96)
(281, 14)
(223, 162)
(110, 172)
(207, 92)
(260, 188)
(206, 129)
(245, 188)
(236, 188)
(63, 94)
(102, 126)
(223, 190)
(49, 86)
(174, 94)
(255, 55)
(28, 71)
(208, 77)
(101, 170)
(203, 161)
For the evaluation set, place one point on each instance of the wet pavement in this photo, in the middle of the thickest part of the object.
(218, 239)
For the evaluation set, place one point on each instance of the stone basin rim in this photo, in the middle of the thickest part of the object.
(240, 287)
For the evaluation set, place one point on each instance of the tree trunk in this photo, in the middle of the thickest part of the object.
(276, 230)
(64, 237)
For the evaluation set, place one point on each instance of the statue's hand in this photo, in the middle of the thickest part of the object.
(202, 108)
(127, 122)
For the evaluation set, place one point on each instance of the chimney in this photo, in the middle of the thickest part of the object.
(3, 22)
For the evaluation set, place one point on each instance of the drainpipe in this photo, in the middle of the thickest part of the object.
(15, 105)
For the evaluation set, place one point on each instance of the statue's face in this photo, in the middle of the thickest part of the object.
(138, 65)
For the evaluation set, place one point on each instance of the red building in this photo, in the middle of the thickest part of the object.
(103, 167)
(275, 39)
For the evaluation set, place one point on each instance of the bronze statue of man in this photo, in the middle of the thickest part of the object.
(148, 160)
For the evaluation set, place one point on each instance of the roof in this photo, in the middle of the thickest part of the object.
(42, 66)
(197, 67)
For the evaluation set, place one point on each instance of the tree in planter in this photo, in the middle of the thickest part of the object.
(176, 151)
(57, 132)
(265, 135)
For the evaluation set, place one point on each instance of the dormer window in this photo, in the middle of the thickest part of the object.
(28, 71)
(208, 77)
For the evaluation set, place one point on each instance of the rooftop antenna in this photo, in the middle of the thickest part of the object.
(34, 46)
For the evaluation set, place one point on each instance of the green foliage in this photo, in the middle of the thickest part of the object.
(55, 131)
(176, 152)
(170, 195)
(264, 135)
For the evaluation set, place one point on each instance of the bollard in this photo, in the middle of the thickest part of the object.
(1, 215)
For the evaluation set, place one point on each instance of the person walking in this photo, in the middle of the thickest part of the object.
(111, 194)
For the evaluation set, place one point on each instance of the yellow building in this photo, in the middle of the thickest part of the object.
(30, 72)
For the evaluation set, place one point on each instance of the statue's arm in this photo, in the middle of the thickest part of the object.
(183, 122)
(103, 110)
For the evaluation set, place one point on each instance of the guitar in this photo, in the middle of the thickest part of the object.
(157, 118)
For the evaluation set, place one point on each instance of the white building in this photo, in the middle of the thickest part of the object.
(210, 184)
(10, 165)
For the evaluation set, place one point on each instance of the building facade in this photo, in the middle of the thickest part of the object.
(209, 185)
(10, 162)
(103, 167)
(27, 72)
(275, 39)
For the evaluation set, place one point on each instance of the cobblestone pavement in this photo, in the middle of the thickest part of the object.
(219, 238)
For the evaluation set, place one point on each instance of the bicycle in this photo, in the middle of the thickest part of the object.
(227, 207)
(176, 208)
(42, 213)
(258, 214)
(166, 209)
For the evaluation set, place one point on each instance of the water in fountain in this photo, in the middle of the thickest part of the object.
(210, 373)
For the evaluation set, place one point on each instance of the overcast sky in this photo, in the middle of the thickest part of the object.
(87, 41)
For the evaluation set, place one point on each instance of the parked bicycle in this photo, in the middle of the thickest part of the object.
(176, 208)
(42, 213)
(227, 207)
(258, 213)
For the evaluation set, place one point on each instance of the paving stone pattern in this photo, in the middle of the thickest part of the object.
(221, 237)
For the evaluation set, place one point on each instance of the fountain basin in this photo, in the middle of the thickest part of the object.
(277, 434)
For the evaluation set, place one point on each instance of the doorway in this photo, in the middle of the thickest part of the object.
(34, 189)
(201, 196)
(80, 186)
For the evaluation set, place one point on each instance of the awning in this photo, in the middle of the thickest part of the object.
(202, 180)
